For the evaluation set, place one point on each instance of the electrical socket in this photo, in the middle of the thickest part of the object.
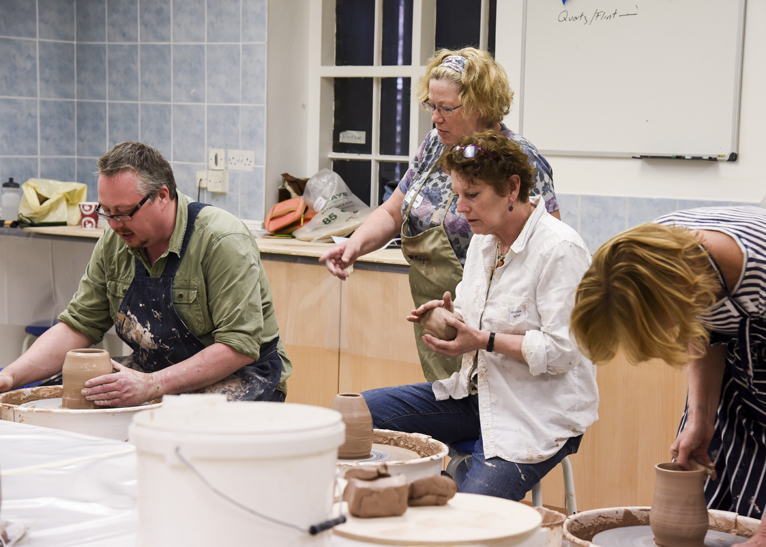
(201, 179)
(241, 160)
(215, 159)
(218, 182)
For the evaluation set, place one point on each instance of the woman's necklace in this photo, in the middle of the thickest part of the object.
(499, 255)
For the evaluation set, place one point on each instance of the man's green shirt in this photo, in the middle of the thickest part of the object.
(220, 290)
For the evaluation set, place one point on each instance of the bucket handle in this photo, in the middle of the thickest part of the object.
(314, 529)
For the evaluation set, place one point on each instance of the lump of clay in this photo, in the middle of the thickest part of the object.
(385, 497)
(434, 490)
(368, 472)
(432, 322)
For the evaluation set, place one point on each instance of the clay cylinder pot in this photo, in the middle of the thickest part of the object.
(80, 365)
(679, 514)
(358, 420)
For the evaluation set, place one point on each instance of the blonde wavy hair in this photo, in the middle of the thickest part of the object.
(646, 293)
(483, 84)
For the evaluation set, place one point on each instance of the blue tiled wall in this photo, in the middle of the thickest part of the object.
(598, 218)
(79, 76)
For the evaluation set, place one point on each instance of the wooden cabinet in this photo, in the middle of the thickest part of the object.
(353, 336)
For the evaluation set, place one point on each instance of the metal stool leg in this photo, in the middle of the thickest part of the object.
(456, 458)
(569, 489)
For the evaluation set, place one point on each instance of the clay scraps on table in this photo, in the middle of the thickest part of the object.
(373, 492)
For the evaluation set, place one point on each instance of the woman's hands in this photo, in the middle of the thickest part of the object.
(468, 338)
(339, 258)
(445, 303)
(126, 387)
(693, 442)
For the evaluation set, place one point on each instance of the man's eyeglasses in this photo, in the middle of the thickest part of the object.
(471, 150)
(445, 111)
(122, 218)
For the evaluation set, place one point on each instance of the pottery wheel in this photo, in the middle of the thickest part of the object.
(54, 403)
(642, 536)
(385, 452)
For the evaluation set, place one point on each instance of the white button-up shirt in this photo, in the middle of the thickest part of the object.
(528, 410)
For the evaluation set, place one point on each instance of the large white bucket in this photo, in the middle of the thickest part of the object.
(277, 459)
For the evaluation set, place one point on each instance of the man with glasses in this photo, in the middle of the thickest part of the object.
(183, 285)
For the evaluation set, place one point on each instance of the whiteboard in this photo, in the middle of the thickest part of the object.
(632, 77)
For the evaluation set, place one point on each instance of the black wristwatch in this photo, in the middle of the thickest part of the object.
(491, 343)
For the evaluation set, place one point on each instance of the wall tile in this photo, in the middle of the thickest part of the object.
(223, 69)
(569, 208)
(123, 72)
(229, 201)
(58, 131)
(254, 74)
(18, 127)
(189, 21)
(252, 135)
(189, 74)
(57, 76)
(155, 21)
(63, 169)
(86, 174)
(186, 177)
(18, 77)
(91, 71)
(188, 133)
(155, 73)
(91, 129)
(694, 203)
(123, 123)
(122, 21)
(91, 20)
(251, 194)
(641, 210)
(56, 19)
(254, 20)
(601, 217)
(21, 169)
(156, 123)
(18, 19)
(224, 18)
(223, 127)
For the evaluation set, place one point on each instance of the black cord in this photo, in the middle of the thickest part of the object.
(313, 529)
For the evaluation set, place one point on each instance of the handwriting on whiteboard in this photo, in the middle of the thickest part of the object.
(598, 16)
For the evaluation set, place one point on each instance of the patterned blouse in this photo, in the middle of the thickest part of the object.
(438, 188)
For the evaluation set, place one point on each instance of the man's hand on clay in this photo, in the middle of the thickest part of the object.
(126, 387)
(6, 383)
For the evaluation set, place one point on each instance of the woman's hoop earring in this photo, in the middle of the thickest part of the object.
(510, 208)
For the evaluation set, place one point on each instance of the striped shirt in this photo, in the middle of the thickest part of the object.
(747, 226)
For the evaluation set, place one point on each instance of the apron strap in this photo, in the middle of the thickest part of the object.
(174, 261)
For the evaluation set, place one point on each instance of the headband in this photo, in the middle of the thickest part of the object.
(455, 62)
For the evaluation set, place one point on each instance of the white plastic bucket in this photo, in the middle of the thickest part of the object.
(277, 459)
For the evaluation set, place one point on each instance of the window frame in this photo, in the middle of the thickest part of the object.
(322, 72)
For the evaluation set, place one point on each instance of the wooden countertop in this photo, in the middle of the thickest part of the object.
(280, 246)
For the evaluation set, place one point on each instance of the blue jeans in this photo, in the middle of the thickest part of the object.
(414, 409)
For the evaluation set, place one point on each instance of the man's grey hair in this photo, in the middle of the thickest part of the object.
(152, 168)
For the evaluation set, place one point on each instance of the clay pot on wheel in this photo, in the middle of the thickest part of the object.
(358, 420)
(679, 514)
(80, 365)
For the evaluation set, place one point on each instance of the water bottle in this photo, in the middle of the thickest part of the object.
(11, 199)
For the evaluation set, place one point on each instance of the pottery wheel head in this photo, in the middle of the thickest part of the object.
(384, 452)
(642, 536)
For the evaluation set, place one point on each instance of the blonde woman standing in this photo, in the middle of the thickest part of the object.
(465, 91)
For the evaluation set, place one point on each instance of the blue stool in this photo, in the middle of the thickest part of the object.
(461, 451)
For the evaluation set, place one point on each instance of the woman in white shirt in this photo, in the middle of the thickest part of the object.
(524, 390)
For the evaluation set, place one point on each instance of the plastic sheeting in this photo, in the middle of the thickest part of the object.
(69, 489)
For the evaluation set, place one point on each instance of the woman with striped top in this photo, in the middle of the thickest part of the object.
(690, 289)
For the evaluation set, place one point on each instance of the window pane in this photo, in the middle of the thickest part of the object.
(353, 112)
(491, 27)
(356, 175)
(458, 24)
(395, 116)
(390, 175)
(354, 32)
(397, 32)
